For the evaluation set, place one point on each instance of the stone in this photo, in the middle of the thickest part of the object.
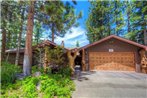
(36, 74)
(20, 76)
(38, 86)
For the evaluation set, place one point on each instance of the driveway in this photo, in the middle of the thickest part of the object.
(110, 84)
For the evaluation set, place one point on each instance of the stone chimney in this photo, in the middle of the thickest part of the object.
(62, 44)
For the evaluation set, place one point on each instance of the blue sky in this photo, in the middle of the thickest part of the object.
(78, 33)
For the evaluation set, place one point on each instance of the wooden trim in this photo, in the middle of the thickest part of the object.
(83, 60)
(135, 60)
(116, 37)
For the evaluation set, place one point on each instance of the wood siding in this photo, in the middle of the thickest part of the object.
(117, 46)
(123, 61)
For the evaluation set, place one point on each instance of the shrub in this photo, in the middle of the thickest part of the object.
(56, 85)
(35, 68)
(29, 87)
(65, 71)
(51, 85)
(8, 72)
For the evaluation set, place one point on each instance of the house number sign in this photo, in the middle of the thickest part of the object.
(111, 50)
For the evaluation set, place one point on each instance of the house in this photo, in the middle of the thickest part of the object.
(11, 53)
(109, 53)
(112, 53)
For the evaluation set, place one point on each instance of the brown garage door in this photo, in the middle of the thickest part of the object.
(123, 61)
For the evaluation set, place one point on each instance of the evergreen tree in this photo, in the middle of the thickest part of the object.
(77, 44)
(118, 17)
(138, 19)
(60, 17)
(28, 45)
(99, 21)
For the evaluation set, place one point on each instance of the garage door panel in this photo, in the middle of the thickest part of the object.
(111, 61)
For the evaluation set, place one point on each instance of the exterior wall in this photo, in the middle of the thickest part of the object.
(117, 46)
(12, 56)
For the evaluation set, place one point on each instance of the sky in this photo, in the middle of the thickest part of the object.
(78, 33)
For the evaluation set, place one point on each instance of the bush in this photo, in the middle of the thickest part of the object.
(50, 86)
(8, 72)
(56, 85)
(65, 71)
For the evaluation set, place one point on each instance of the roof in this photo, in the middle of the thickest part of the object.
(14, 50)
(45, 42)
(42, 44)
(116, 37)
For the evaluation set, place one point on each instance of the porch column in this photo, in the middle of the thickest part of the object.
(143, 61)
(83, 60)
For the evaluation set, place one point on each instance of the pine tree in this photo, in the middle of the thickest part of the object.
(28, 45)
(99, 21)
(60, 17)
(77, 44)
(118, 17)
(138, 22)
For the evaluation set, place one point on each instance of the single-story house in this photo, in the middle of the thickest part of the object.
(11, 53)
(109, 53)
(112, 53)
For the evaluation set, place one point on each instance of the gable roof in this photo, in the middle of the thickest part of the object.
(45, 42)
(118, 38)
(42, 44)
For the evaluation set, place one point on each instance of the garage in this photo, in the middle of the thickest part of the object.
(113, 53)
(120, 61)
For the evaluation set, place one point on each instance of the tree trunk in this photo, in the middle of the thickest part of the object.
(83, 60)
(145, 37)
(3, 44)
(28, 45)
(71, 59)
(53, 33)
(8, 39)
(19, 39)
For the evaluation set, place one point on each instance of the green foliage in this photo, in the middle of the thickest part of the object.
(29, 87)
(65, 71)
(122, 18)
(57, 86)
(12, 20)
(50, 86)
(55, 56)
(77, 44)
(99, 22)
(8, 72)
(62, 17)
(137, 20)
(35, 68)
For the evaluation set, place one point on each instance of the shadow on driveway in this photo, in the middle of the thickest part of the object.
(110, 84)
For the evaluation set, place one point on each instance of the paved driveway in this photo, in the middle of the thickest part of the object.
(104, 84)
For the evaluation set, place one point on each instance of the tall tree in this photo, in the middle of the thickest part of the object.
(99, 21)
(144, 20)
(118, 17)
(4, 29)
(60, 17)
(28, 45)
(128, 12)
(19, 37)
(138, 22)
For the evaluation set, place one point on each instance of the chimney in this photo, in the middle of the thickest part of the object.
(62, 44)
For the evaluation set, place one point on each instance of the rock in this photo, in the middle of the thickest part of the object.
(20, 76)
(38, 86)
(36, 74)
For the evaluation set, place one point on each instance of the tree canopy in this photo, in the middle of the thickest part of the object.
(122, 18)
